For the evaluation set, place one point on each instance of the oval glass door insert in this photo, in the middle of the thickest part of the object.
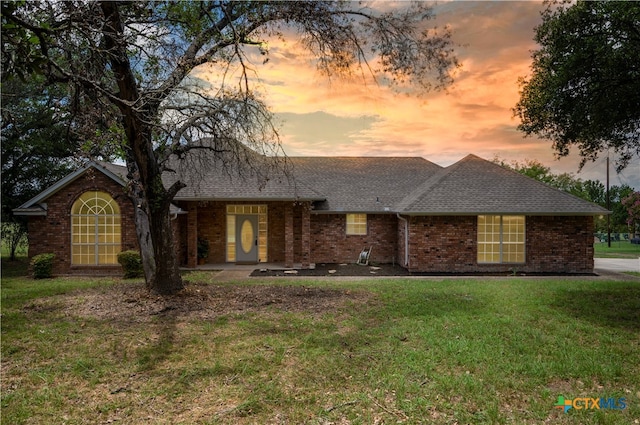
(247, 236)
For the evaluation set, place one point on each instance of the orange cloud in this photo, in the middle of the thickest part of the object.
(357, 116)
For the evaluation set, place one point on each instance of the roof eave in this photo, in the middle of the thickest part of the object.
(246, 199)
(526, 213)
(31, 212)
(70, 178)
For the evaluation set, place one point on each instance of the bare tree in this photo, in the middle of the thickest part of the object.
(134, 60)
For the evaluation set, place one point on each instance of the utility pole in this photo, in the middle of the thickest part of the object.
(608, 207)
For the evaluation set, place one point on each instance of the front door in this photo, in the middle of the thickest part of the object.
(246, 238)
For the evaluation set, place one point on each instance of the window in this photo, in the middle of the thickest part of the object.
(95, 229)
(501, 239)
(356, 224)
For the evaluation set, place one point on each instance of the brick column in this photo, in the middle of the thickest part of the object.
(305, 237)
(192, 235)
(288, 235)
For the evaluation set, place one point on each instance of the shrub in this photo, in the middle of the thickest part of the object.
(203, 248)
(42, 265)
(131, 264)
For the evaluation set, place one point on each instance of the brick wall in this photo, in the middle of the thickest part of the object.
(560, 244)
(449, 244)
(442, 244)
(327, 238)
(52, 234)
(331, 244)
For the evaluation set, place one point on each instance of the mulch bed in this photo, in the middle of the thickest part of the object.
(338, 270)
(356, 270)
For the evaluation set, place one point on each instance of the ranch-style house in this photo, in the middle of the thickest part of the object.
(471, 217)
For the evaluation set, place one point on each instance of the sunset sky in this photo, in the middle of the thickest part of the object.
(356, 117)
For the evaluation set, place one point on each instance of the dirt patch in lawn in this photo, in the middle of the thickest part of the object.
(132, 301)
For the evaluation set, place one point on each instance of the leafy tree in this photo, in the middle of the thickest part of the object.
(632, 204)
(584, 89)
(135, 60)
(40, 142)
(37, 148)
(619, 213)
(13, 237)
(533, 168)
(594, 191)
(36, 141)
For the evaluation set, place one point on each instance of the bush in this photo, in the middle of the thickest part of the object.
(203, 248)
(42, 265)
(131, 264)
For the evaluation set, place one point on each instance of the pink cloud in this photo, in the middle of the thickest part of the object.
(494, 40)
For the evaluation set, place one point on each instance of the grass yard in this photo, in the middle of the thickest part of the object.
(619, 249)
(466, 351)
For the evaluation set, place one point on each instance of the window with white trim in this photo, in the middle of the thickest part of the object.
(95, 229)
(501, 239)
(356, 224)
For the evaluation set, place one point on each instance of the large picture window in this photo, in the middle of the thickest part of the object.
(501, 238)
(356, 224)
(95, 229)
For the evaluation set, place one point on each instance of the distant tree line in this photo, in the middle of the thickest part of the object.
(622, 199)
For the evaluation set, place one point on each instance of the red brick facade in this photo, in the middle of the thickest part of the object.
(52, 233)
(560, 244)
(331, 244)
(442, 244)
(448, 245)
(297, 235)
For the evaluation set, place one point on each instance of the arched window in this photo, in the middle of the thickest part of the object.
(95, 229)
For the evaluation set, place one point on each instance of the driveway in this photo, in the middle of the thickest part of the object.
(618, 264)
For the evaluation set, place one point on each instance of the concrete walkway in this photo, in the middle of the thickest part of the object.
(617, 264)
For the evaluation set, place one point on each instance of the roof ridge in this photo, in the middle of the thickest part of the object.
(432, 181)
(488, 187)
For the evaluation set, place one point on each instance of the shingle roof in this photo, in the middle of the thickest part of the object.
(218, 180)
(262, 178)
(118, 173)
(476, 186)
(362, 184)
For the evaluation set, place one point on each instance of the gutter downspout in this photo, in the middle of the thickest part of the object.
(406, 240)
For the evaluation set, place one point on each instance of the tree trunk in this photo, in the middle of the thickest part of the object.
(151, 199)
(154, 229)
(166, 279)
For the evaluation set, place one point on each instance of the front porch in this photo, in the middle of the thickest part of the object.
(246, 267)
(274, 234)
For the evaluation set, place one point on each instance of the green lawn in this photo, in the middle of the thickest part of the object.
(619, 249)
(463, 351)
